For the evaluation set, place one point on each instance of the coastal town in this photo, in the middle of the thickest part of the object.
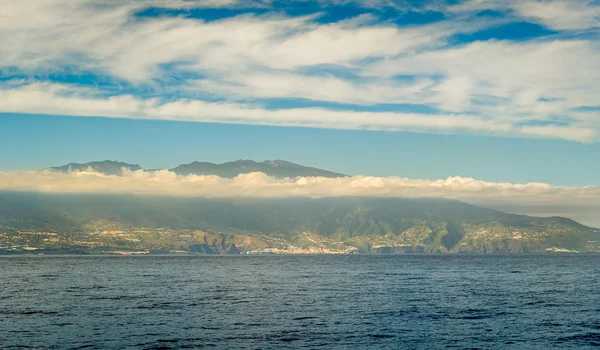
(104, 237)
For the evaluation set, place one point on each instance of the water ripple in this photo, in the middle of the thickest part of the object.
(273, 302)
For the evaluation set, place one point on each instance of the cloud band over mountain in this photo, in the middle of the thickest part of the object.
(580, 203)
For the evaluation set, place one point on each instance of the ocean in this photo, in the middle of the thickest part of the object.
(314, 301)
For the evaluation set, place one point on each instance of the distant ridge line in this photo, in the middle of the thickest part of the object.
(277, 168)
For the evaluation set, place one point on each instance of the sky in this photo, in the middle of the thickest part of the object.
(36, 142)
(502, 91)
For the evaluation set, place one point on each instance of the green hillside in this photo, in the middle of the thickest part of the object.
(373, 225)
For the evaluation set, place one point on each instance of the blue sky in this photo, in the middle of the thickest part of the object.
(34, 142)
(498, 90)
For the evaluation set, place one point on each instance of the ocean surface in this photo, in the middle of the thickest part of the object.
(319, 301)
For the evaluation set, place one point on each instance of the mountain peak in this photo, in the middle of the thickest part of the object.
(242, 162)
(107, 167)
(279, 162)
(115, 162)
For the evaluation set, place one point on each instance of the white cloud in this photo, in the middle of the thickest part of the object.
(54, 99)
(491, 87)
(554, 14)
(50, 33)
(551, 131)
(532, 81)
(164, 182)
(502, 68)
(318, 88)
(562, 14)
(455, 93)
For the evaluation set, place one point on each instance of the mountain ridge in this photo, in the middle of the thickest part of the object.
(277, 168)
(107, 167)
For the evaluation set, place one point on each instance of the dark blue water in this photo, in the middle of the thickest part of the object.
(527, 301)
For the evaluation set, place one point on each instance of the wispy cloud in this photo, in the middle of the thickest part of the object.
(175, 66)
(556, 14)
(64, 100)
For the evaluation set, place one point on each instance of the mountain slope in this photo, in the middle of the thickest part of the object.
(367, 224)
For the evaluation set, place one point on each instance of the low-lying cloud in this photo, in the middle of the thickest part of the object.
(579, 203)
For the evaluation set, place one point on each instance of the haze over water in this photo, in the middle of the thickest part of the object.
(149, 302)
